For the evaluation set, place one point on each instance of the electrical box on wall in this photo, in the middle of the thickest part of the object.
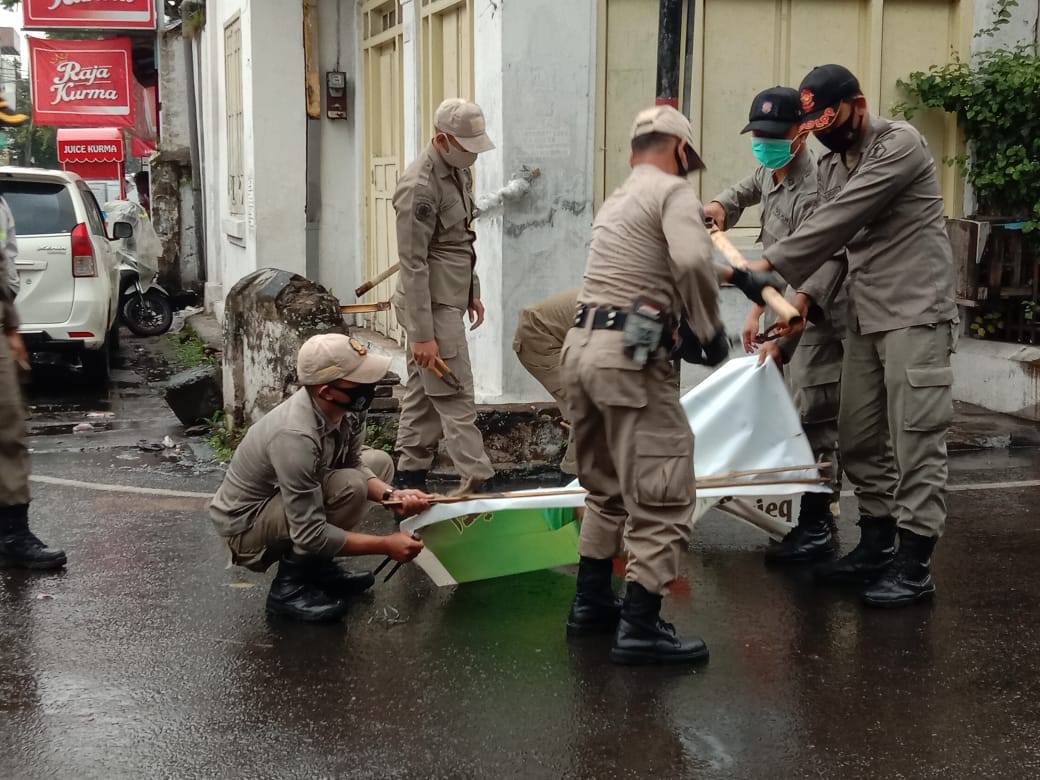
(336, 94)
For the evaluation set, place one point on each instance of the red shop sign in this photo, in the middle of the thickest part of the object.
(82, 83)
(109, 14)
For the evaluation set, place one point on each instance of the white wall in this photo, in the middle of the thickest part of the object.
(173, 92)
(536, 81)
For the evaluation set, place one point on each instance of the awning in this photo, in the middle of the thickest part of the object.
(91, 145)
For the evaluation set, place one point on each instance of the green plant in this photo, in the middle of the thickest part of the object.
(996, 98)
(190, 351)
(381, 435)
(1030, 309)
(223, 440)
(987, 325)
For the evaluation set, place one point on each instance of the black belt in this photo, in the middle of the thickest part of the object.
(603, 318)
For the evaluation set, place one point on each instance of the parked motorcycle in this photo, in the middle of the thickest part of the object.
(144, 306)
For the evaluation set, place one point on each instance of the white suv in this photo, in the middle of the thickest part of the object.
(68, 298)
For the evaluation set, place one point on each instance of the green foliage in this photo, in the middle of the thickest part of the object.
(987, 325)
(223, 440)
(190, 351)
(381, 434)
(996, 99)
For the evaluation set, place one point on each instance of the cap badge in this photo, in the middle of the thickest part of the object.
(821, 121)
(808, 100)
(358, 347)
(767, 107)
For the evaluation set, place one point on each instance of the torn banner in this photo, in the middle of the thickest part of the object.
(743, 419)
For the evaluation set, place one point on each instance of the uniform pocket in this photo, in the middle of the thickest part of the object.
(929, 401)
(664, 468)
(451, 214)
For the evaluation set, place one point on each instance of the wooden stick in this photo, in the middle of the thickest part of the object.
(784, 309)
(777, 470)
(364, 308)
(582, 491)
(364, 288)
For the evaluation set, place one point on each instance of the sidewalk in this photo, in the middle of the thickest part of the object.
(973, 427)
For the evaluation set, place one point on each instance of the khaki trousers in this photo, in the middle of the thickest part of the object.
(896, 406)
(540, 355)
(814, 377)
(634, 456)
(346, 504)
(432, 410)
(14, 456)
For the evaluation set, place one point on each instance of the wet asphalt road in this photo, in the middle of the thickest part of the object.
(149, 658)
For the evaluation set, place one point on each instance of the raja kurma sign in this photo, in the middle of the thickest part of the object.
(108, 14)
(82, 83)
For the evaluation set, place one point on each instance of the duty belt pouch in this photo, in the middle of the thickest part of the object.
(643, 329)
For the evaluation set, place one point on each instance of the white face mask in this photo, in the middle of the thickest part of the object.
(458, 158)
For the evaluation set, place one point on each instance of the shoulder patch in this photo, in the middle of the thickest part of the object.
(877, 150)
(423, 211)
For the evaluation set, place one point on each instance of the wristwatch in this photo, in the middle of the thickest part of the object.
(387, 494)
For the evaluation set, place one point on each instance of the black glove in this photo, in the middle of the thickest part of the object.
(717, 350)
(751, 283)
(691, 350)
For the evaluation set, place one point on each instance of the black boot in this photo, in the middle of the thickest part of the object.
(19, 547)
(337, 580)
(643, 638)
(416, 480)
(909, 578)
(866, 562)
(596, 608)
(812, 538)
(294, 594)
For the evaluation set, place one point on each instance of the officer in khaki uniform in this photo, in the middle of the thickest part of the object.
(879, 199)
(785, 185)
(19, 547)
(650, 257)
(538, 342)
(438, 284)
(302, 479)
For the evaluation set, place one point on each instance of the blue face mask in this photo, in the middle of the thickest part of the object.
(772, 152)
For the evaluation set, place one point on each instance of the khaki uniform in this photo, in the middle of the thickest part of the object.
(538, 343)
(14, 456)
(634, 444)
(296, 483)
(814, 359)
(886, 210)
(436, 285)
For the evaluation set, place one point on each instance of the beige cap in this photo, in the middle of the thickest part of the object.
(668, 121)
(330, 356)
(465, 122)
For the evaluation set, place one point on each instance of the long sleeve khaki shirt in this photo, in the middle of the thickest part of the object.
(648, 240)
(434, 206)
(887, 213)
(289, 451)
(9, 282)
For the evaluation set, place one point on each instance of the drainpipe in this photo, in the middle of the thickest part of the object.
(687, 91)
(196, 157)
(669, 48)
(312, 209)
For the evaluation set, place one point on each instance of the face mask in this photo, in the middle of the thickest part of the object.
(458, 158)
(772, 152)
(360, 398)
(839, 139)
(680, 163)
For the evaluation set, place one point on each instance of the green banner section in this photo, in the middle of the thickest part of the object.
(496, 544)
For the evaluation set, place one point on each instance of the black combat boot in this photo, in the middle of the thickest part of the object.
(19, 547)
(867, 561)
(812, 538)
(596, 608)
(337, 580)
(643, 638)
(909, 578)
(416, 480)
(294, 594)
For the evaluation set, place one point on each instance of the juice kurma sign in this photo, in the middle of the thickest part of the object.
(109, 14)
(82, 83)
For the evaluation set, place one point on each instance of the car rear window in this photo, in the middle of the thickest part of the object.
(39, 207)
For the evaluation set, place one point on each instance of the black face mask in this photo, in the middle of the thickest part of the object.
(838, 139)
(360, 398)
(684, 169)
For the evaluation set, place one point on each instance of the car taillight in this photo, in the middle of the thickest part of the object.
(83, 262)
